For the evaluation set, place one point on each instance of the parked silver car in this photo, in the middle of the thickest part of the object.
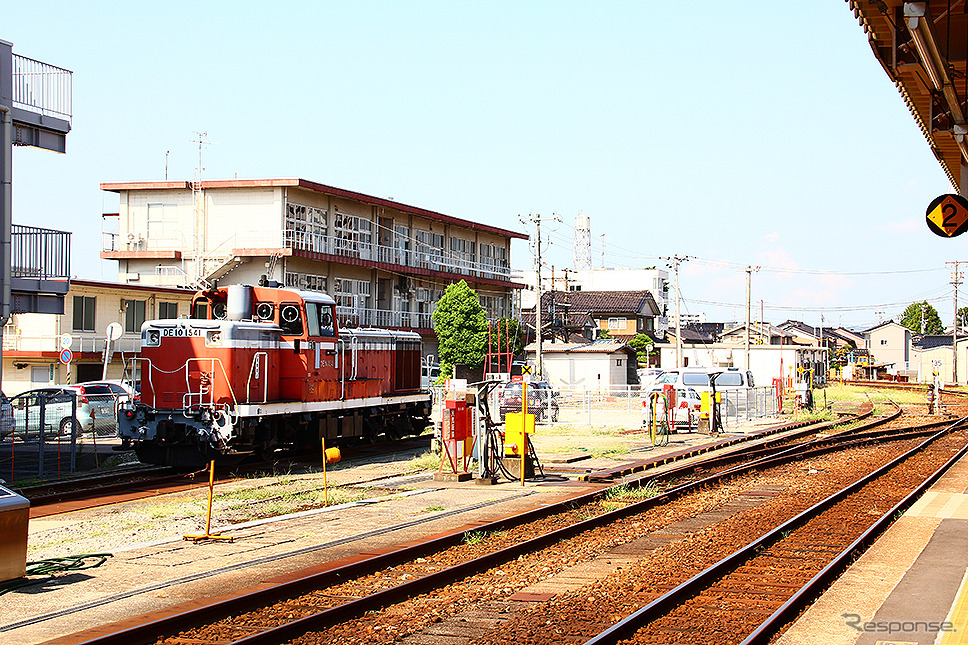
(57, 404)
(104, 397)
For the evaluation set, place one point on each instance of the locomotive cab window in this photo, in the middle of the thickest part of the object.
(265, 311)
(319, 319)
(290, 319)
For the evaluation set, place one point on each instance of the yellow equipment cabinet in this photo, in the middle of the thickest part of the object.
(516, 426)
(14, 512)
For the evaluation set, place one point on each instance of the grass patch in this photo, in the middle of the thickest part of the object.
(629, 492)
(608, 451)
(474, 537)
(423, 462)
(433, 508)
(564, 430)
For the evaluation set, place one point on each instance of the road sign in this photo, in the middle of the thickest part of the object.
(66, 355)
(114, 331)
(947, 215)
(66, 340)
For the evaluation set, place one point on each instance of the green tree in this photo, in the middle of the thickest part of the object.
(962, 317)
(639, 343)
(922, 318)
(461, 328)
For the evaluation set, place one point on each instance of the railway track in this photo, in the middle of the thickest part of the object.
(326, 600)
(52, 497)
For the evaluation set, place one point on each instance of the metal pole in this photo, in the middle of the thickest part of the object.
(537, 319)
(6, 218)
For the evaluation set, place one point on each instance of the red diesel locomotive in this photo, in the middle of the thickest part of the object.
(258, 368)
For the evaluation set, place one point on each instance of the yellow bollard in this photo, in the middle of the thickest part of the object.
(208, 520)
(330, 456)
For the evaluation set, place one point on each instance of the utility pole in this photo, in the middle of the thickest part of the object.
(749, 277)
(955, 280)
(536, 220)
(674, 262)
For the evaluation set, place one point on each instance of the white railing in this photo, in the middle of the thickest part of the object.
(357, 317)
(41, 87)
(23, 343)
(430, 259)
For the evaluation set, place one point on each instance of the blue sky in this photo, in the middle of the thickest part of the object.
(759, 133)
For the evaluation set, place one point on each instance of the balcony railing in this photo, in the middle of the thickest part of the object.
(41, 87)
(13, 340)
(356, 317)
(434, 259)
(39, 253)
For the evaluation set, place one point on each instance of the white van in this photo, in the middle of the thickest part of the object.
(698, 378)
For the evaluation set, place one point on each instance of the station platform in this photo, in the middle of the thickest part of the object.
(909, 587)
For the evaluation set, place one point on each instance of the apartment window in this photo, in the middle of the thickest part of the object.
(616, 323)
(167, 310)
(84, 313)
(162, 221)
(134, 315)
(401, 245)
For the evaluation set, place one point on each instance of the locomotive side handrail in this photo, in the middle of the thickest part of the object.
(355, 349)
(265, 381)
(341, 368)
(134, 360)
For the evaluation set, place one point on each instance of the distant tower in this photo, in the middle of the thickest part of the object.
(582, 251)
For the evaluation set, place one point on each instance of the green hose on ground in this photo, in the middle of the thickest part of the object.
(52, 566)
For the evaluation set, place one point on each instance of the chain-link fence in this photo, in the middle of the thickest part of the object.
(49, 434)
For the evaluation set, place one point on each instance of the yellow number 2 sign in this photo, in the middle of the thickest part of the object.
(947, 215)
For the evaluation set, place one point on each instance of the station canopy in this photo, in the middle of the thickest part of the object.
(923, 47)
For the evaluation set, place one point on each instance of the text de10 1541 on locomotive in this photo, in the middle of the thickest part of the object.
(260, 368)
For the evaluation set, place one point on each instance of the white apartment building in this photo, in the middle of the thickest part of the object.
(384, 262)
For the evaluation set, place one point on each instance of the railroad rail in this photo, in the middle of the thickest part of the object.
(424, 581)
(798, 550)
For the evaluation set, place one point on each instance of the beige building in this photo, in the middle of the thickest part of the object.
(33, 343)
(890, 343)
(385, 263)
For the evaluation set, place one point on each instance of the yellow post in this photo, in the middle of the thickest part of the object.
(524, 429)
(325, 485)
(208, 520)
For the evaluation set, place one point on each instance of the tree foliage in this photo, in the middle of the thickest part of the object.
(962, 317)
(922, 318)
(461, 327)
(639, 343)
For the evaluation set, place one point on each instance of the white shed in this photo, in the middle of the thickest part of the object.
(599, 364)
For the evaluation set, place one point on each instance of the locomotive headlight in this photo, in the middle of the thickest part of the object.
(152, 337)
(213, 339)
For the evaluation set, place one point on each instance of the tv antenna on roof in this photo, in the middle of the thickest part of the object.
(201, 140)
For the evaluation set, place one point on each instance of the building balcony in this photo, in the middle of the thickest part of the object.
(426, 258)
(357, 317)
(354, 250)
(84, 343)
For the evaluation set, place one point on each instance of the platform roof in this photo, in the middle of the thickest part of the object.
(923, 48)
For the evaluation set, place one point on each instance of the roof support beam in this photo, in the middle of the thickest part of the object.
(918, 23)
